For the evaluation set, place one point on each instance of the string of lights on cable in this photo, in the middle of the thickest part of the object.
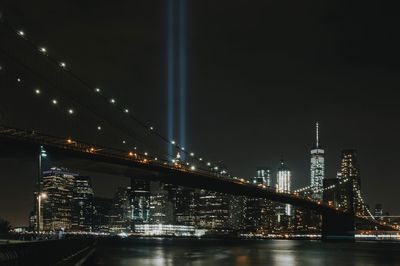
(124, 109)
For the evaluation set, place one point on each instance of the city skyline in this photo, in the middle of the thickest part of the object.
(272, 171)
(290, 148)
(362, 113)
(199, 131)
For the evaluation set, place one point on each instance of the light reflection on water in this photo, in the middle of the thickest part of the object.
(158, 252)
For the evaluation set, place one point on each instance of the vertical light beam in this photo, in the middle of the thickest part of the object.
(170, 72)
(182, 71)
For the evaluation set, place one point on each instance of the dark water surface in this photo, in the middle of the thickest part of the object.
(244, 252)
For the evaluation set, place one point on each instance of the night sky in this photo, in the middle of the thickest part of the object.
(260, 74)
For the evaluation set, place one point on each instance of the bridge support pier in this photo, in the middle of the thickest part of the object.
(338, 227)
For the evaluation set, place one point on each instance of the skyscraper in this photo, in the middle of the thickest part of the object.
(350, 173)
(82, 209)
(212, 210)
(264, 176)
(58, 184)
(161, 208)
(317, 168)
(184, 204)
(140, 200)
(283, 184)
(121, 216)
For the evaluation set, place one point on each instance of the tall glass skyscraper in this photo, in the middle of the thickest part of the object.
(58, 184)
(317, 167)
(264, 176)
(283, 183)
(82, 208)
(352, 191)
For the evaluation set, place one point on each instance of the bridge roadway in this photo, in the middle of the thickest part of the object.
(162, 170)
(167, 172)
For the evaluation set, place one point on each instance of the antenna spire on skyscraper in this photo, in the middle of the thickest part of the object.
(317, 134)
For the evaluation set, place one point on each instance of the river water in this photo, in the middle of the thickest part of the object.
(244, 252)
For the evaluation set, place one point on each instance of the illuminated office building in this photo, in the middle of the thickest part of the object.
(283, 185)
(121, 216)
(184, 204)
(82, 211)
(317, 168)
(350, 175)
(263, 177)
(140, 200)
(212, 210)
(58, 184)
(161, 208)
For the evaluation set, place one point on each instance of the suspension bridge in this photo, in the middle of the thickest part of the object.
(60, 102)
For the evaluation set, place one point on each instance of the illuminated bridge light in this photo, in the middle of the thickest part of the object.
(151, 128)
(54, 101)
(112, 101)
(97, 90)
(192, 168)
(37, 91)
(98, 127)
(21, 33)
(71, 111)
(173, 142)
(192, 154)
(126, 110)
(43, 50)
(123, 142)
(19, 80)
(63, 64)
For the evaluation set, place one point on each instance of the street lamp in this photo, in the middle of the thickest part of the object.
(42, 154)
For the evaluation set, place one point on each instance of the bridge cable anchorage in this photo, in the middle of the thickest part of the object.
(62, 65)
